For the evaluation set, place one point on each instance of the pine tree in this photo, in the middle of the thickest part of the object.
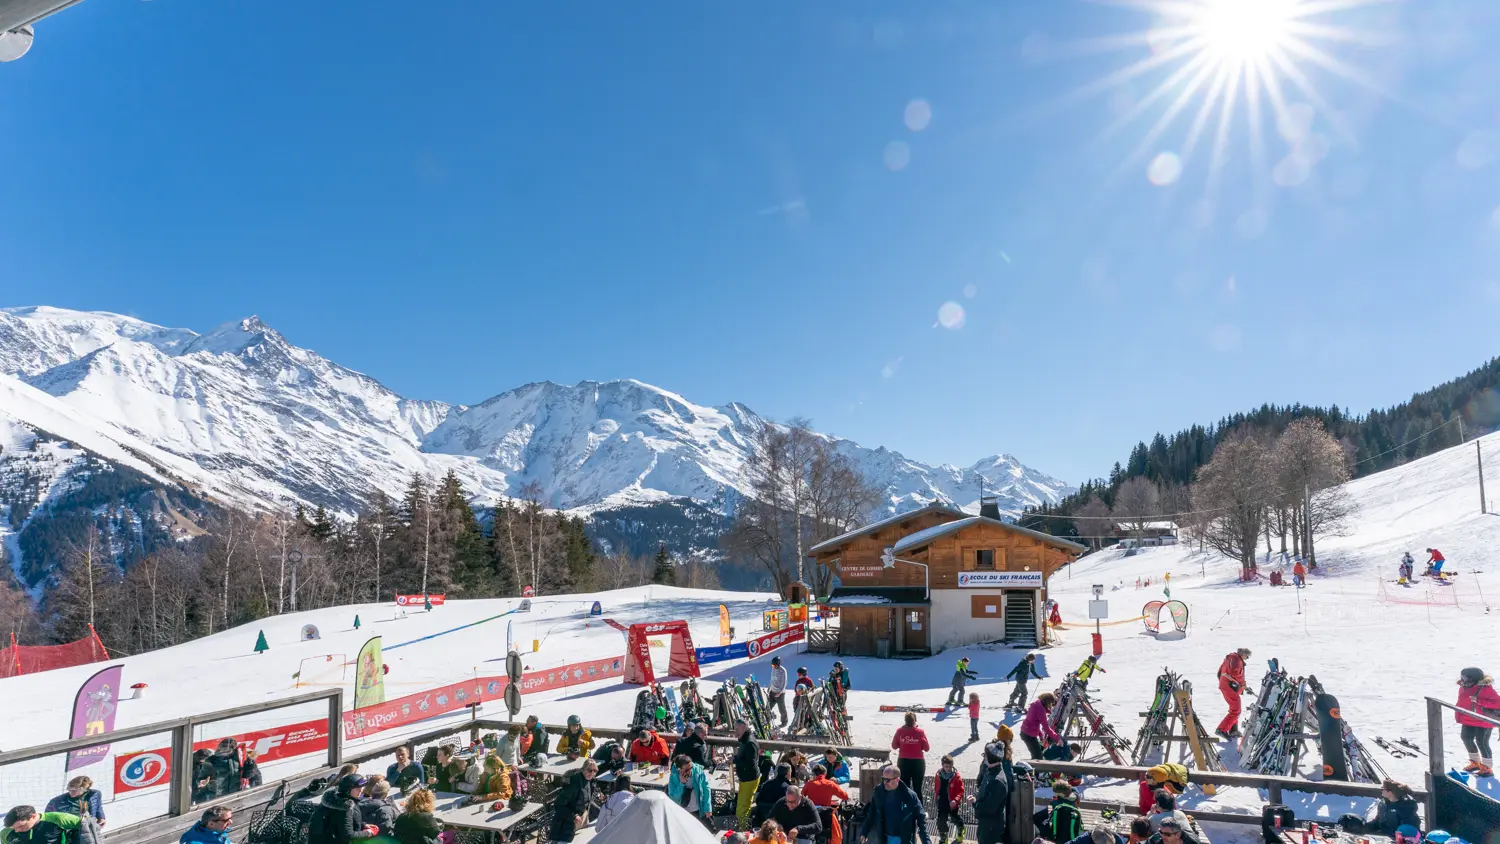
(663, 571)
(321, 527)
(260, 643)
(356, 622)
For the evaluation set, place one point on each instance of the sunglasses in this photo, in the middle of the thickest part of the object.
(891, 779)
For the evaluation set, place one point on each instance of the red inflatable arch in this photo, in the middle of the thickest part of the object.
(683, 662)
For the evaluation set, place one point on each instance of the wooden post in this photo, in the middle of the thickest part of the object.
(1434, 756)
(180, 800)
(336, 729)
(1480, 456)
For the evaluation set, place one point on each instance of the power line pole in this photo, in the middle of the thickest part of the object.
(1479, 455)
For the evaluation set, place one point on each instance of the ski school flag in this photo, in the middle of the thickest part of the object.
(724, 636)
(94, 714)
(369, 675)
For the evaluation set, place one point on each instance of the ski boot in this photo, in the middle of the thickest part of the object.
(1224, 735)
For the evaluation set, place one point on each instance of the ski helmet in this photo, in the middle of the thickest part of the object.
(775, 660)
(802, 670)
(575, 721)
(1470, 676)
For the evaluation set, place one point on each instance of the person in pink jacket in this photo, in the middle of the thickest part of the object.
(1476, 693)
(910, 744)
(1036, 725)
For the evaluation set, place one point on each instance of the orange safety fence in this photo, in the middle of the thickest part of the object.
(17, 659)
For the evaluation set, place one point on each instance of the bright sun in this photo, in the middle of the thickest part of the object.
(1218, 65)
(1243, 30)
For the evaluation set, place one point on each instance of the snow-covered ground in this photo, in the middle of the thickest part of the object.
(1378, 646)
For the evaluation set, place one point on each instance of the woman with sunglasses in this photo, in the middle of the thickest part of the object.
(688, 788)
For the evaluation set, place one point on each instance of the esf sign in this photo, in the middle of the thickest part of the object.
(1029, 579)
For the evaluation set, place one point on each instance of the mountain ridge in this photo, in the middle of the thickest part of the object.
(280, 423)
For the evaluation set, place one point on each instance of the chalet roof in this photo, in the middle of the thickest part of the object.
(835, 542)
(923, 537)
(857, 596)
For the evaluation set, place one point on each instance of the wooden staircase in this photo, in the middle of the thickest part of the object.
(1020, 618)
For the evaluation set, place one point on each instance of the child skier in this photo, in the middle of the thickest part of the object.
(1299, 574)
(973, 716)
(1087, 669)
(1408, 566)
(1023, 671)
(961, 676)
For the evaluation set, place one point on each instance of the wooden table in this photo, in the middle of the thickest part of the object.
(1294, 836)
(657, 777)
(449, 810)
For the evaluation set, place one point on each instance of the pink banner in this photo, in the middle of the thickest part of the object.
(94, 714)
(771, 641)
(441, 701)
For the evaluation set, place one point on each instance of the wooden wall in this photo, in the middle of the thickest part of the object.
(858, 562)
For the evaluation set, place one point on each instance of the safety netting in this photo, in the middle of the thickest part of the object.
(28, 659)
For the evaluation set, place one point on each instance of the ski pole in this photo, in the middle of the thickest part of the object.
(1220, 621)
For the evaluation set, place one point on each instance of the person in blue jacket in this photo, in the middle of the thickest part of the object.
(838, 767)
(81, 799)
(895, 814)
(212, 828)
(688, 788)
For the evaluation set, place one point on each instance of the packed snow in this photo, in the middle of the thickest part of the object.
(1379, 647)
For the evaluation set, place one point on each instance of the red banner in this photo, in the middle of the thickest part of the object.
(772, 641)
(144, 769)
(417, 600)
(446, 699)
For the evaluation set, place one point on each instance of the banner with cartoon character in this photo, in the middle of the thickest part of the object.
(94, 714)
(369, 675)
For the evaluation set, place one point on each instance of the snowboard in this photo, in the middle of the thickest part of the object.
(674, 710)
(1331, 737)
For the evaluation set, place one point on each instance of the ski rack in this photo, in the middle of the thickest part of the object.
(1075, 715)
(1173, 707)
(1275, 730)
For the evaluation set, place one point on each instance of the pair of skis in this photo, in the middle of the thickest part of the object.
(1400, 748)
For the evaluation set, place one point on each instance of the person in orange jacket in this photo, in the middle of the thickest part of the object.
(1299, 574)
(1232, 685)
(827, 794)
(649, 748)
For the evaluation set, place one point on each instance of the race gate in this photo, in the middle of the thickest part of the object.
(682, 663)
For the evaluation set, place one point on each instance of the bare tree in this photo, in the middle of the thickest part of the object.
(620, 569)
(1234, 487)
(85, 586)
(1137, 503)
(1092, 520)
(1308, 459)
(695, 572)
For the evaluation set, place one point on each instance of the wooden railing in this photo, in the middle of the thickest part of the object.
(822, 640)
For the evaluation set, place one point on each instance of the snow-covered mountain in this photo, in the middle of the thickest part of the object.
(265, 419)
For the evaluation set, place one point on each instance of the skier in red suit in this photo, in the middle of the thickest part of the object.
(1232, 685)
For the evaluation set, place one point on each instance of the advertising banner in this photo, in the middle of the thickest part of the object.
(739, 650)
(369, 675)
(771, 641)
(144, 769)
(440, 701)
(94, 714)
(1026, 579)
(417, 600)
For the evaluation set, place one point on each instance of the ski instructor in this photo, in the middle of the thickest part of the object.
(1232, 685)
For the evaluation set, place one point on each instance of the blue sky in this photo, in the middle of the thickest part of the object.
(770, 203)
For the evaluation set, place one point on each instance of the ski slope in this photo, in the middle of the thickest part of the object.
(1377, 646)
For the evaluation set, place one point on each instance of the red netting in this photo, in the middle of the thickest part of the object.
(29, 659)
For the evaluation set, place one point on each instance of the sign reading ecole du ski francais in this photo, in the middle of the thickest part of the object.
(1027, 579)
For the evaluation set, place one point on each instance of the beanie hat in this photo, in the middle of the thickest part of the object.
(1005, 734)
(1471, 676)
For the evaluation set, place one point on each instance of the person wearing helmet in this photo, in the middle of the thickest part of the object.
(1232, 685)
(803, 681)
(575, 740)
(1476, 694)
(777, 690)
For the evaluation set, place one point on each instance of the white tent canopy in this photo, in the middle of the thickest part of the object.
(652, 818)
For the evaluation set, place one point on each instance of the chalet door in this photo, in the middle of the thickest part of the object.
(914, 628)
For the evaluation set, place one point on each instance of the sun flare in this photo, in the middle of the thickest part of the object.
(1218, 66)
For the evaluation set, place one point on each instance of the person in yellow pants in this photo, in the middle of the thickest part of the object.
(746, 771)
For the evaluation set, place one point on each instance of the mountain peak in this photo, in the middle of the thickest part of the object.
(235, 337)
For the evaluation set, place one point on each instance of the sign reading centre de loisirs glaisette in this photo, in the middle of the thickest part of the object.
(990, 579)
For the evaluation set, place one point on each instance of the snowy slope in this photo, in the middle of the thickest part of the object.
(281, 422)
(1377, 646)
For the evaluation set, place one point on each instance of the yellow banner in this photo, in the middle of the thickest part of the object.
(369, 675)
(724, 635)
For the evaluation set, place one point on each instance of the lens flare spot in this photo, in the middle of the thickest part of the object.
(971, 290)
(1164, 169)
(951, 316)
(897, 156)
(918, 115)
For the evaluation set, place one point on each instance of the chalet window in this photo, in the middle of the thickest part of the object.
(984, 559)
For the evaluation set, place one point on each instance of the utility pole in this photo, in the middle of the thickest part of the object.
(1478, 454)
(1307, 545)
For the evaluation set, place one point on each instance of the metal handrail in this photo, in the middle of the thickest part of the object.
(1436, 764)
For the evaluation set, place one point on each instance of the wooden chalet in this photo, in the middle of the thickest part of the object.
(937, 578)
